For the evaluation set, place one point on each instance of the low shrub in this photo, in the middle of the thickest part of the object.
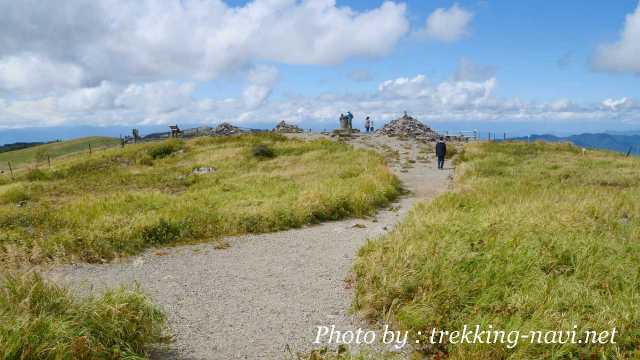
(164, 149)
(15, 195)
(36, 175)
(262, 151)
(163, 232)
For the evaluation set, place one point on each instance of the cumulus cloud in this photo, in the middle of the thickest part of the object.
(618, 104)
(105, 104)
(261, 80)
(34, 74)
(141, 60)
(405, 87)
(445, 94)
(623, 55)
(127, 41)
(156, 98)
(447, 25)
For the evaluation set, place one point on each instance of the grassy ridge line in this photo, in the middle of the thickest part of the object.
(121, 201)
(39, 320)
(24, 157)
(536, 237)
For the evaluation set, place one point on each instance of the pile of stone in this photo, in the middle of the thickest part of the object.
(225, 129)
(283, 127)
(409, 127)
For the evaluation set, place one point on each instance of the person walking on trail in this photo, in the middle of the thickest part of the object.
(367, 124)
(371, 125)
(441, 152)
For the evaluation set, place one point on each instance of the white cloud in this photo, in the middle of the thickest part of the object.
(90, 99)
(405, 87)
(156, 98)
(167, 102)
(618, 104)
(261, 81)
(119, 61)
(153, 40)
(623, 55)
(105, 104)
(34, 74)
(445, 94)
(447, 25)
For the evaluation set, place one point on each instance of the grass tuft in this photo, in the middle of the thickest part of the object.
(40, 320)
(262, 151)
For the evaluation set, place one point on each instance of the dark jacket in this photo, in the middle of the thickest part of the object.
(441, 149)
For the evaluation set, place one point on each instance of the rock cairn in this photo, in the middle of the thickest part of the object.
(408, 126)
(283, 127)
(226, 129)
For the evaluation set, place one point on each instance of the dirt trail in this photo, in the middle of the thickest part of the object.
(265, 293)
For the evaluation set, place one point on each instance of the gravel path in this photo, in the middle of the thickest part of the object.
(265, 293)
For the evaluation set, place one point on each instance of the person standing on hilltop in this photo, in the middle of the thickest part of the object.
(350, 118)
(367, 124)
(441, 152)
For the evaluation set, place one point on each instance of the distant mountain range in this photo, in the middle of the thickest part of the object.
(606, 141)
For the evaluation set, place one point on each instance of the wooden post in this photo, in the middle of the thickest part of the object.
(11, 170)
(89, 148)
(49, 160)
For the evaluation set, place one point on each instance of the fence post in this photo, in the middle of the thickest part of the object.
(89, 148)
(11, 170)
(49, 160)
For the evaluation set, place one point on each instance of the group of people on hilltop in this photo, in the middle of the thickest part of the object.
(368, 123)
(441, 146)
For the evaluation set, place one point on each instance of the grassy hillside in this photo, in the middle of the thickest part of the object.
(537, 237)
(38, 154)
(120, 201)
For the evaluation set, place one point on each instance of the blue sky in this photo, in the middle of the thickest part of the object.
(524, 41)
(495, 65)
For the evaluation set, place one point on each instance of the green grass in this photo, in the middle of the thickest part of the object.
(38, 154)
(40, 321)
(535, 237)
(343, 353)
(121, 201)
